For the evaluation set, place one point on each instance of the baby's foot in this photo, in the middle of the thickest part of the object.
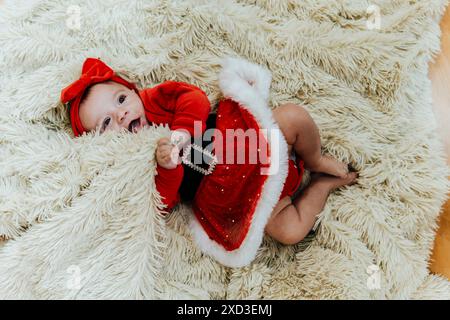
(331, 182)
(328, 164)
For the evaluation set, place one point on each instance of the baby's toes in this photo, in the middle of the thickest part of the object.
(342, 170)
(352, 178)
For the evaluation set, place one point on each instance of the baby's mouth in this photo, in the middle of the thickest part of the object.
(134, 125)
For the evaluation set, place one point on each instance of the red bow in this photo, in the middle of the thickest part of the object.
(93, 71)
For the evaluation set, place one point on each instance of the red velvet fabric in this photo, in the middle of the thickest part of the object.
(294, 178)
(168, 182)
(178, 104)
(226, 199)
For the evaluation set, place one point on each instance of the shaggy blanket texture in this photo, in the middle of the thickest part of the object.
(80, 218)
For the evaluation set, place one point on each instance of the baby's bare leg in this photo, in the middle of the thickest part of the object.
(290, 222)
(300, 131)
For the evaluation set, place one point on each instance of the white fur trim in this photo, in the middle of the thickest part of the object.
(234, 83)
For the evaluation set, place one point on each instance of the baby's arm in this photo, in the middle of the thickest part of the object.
(189, 108)
(187, 104)
(184, 106)
(170, 173)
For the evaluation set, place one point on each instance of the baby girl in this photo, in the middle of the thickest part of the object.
(233, 204)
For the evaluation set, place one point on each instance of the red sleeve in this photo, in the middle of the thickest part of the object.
(168, 181)
(177, 103)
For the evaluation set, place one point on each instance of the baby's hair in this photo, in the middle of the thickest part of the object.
(85, 94)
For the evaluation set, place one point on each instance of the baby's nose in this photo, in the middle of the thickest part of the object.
(122, 115)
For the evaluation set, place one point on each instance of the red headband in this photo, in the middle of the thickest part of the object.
(93, 71)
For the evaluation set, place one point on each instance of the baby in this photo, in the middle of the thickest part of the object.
(101, 100)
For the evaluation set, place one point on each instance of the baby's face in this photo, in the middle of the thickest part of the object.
(112, 106)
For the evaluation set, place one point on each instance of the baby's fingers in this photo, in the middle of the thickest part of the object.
(165, 153)
(163, 142)
(163, 158)
(164, 149)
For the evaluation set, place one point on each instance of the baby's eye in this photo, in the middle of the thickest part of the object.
(105, 123)
(122, 98)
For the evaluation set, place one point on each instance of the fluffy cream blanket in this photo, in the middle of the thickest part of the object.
(80, 218)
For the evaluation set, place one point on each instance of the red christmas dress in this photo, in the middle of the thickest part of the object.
(233, 203)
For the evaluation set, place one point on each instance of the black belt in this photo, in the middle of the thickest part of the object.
(192, 177)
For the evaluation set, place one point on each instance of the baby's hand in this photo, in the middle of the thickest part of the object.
(167, 154)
